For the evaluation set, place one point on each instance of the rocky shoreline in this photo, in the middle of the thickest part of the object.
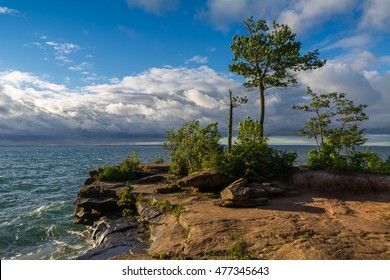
(308, 214)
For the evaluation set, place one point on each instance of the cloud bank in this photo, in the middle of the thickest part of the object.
(147, 104)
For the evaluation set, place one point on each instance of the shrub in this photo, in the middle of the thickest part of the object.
(127, 201)
(251, 155)
(158, 159)
(123, 172)
(193, 148)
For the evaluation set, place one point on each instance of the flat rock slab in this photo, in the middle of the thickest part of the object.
(147, 212)
(253, 202)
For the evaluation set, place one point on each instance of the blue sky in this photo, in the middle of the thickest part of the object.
(117, 71)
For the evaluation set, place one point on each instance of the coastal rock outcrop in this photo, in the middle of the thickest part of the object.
(310, 214)
(97, 200)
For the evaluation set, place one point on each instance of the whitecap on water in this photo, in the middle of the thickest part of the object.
(38, 211)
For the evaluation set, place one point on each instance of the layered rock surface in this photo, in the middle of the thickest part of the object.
(309, 215)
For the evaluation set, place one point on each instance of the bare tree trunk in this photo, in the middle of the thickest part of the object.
(262, 109)
(230, 122)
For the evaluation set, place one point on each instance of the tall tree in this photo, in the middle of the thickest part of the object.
(269, 58)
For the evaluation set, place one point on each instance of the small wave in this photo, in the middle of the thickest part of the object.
(39, 211)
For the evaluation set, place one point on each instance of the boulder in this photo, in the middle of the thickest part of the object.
(240, 190)
(236, 191)
(205, 181)
(242, 194)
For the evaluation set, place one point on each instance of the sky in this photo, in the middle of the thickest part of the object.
(125, 71)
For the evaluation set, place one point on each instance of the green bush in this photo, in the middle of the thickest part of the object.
(193, 148)
(158, 159)
(128, 201)
(251, 155)
(123, 172)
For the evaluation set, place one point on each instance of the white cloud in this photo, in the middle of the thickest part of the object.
(19, 79)
(360, 40)
(81, 67)
(200, 99)
(129, 109)
(197, 59)
(376, 14)
(154, 6)
(8, 11)
(336, 76)
(306, 14)
(63, 48)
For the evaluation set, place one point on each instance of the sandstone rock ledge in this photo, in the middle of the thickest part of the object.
(309, 215)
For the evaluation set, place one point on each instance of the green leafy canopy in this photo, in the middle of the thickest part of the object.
(269, 57)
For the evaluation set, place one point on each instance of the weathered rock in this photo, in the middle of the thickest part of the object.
(151, 179)
(205, 181)
(86, 216)
(170, 232)
(252, 202)
(89, 181)
(236, 191)
(169, 189)
(115, 236)
(329, 182)
(104, 204)
(273, 189)
(156, 168)
(105, 227)
(99, 189)
(95, 172)
(240, 190)
(147, 212)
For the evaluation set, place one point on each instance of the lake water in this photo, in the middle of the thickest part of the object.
(39, 184)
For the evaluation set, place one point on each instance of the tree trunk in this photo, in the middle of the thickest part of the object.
(230, 122)
(262, 109)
